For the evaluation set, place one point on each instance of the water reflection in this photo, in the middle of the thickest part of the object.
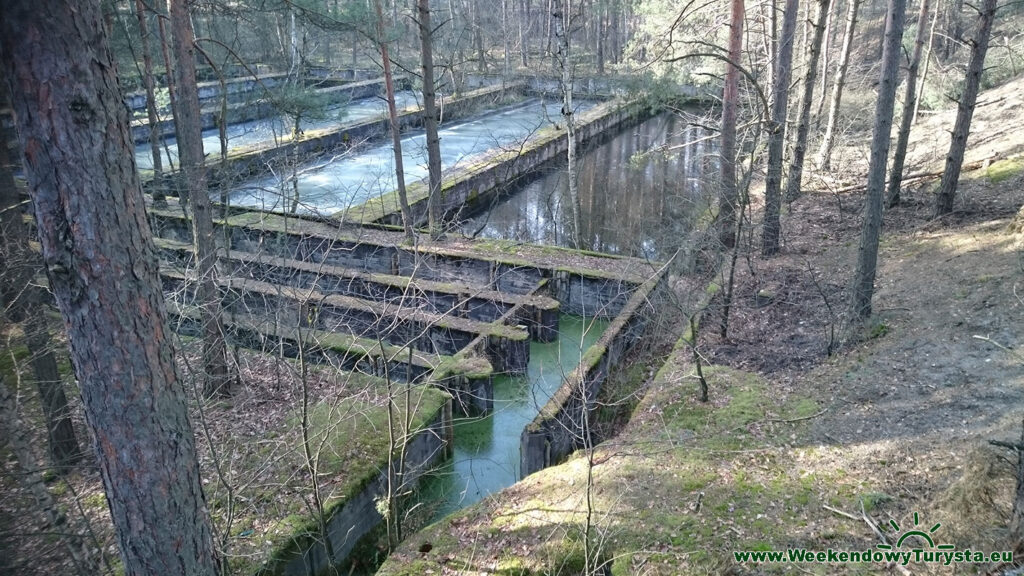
(639, 192)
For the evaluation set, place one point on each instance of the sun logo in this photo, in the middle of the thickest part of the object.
(926, 536)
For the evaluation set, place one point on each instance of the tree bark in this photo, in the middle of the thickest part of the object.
(430, 121)
(828, 141)
(777, 130)
(796, 166)
(191, 157)
(103, 269)
(867, 256)
(147, 80)
(909, 104)
(396, 134)
(172, 91)
(965, 110)
(65, 451)
(927, 61)
(826, 54)
(20, 443)
(730, 98)
(563, 28)
(22, 300)
(524, 25)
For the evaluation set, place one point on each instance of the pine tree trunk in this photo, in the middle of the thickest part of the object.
(965, 110)
(563, 26)
(478, 40)
(524, 23)
(22, 301)
(777, 130)
(172, 91)
(909, 104)
(434, 200)
(867, 256)
(17, 438)
(796, 166)
(191, 157)
(103, 270)
(60, 431)
(727, 202)
(396, 134)
(927, 61)
(826, 54)
(828, 141)
(151, 114)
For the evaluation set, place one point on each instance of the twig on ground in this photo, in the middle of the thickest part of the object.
(791, 420)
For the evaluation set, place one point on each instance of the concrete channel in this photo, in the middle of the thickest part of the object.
(458, 314)
(248, 101)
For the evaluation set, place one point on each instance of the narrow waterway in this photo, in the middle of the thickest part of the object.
(326, 186)
(267, 129)
(639, 192)
(486, 455)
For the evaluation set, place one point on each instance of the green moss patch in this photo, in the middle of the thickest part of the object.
(683, 485)
(1005, 169)
(348, 437)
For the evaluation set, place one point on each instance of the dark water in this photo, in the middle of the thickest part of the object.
(331, 185)
(486, 457)
(256, 131)
(639, 193)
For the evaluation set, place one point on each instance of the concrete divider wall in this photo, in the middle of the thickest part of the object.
(358, 515)
(244, 164)
(210, 90)
(578, 291)
(558, 429)
(260, 107)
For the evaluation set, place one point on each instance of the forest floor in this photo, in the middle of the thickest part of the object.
(799, 448)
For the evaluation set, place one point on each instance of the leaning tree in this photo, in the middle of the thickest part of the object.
(101, 263)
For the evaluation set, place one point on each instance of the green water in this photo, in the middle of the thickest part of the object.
(486, 455)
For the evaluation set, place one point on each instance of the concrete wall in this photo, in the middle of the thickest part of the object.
(261, 108)
(558, 429)
(355, 518)
(209, 87)
(578, 292)
(243, 165)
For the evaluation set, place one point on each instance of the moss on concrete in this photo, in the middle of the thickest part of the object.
(350, 439)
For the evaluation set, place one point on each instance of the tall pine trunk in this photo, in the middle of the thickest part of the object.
(396, 133)
(829, 139)
(777, 130)
(867, 255)
(22, 300)
(151, 114)
(30, 477)
(434, 200)
(796, 166)
(563, 28)
(730, 98)
(191, 157)
(965, 110)
(103, 269)
(909, 104)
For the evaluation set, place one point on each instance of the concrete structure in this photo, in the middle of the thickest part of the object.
(465, 190)
(559, 428)
(251, 103)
